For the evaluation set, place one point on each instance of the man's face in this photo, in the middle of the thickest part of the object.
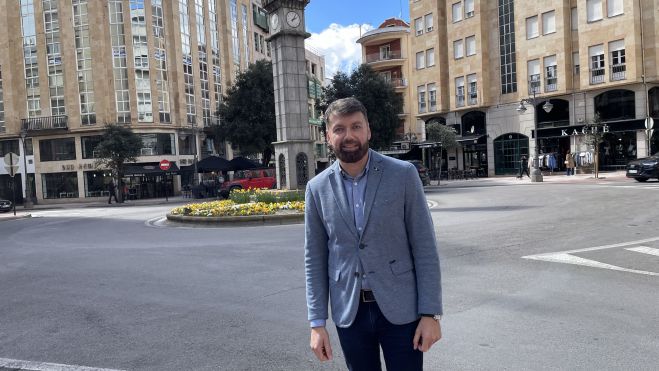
(348, 136)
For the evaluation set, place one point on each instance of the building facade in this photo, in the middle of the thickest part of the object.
(590, 60)
(68, 67)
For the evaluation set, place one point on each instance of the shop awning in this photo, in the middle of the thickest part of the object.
(149, 169)
(469, 138)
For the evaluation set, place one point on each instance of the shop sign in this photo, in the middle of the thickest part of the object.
(68, 167)
(584, 131)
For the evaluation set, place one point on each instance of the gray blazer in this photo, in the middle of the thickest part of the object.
(397, 248)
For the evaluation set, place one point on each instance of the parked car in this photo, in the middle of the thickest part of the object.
(249, 179)
(643, 169)
(5, 205)
(423, 171)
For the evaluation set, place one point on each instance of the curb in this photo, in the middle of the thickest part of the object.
(237, 220)
(17, 217)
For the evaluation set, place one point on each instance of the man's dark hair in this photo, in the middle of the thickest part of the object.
(344, 106)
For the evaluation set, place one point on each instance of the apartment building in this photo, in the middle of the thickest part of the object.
(316, 79)
(386, 49)
(512, 77)
(68, 67)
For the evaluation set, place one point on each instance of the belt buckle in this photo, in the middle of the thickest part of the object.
(371, 297)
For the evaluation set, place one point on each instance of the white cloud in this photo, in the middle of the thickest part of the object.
(338, 44)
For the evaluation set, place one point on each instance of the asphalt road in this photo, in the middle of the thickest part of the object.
(119, 288)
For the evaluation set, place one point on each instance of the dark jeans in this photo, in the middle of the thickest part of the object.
(115, 198)
(569, 171)
(524, 170)
(361, 342)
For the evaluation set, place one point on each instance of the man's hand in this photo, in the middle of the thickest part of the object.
(428, 332)
(320, 344)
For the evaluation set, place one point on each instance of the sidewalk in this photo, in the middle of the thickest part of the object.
(553, 178)
(25, 213)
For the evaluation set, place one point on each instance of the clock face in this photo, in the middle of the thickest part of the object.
(293, 19)
(274, 22)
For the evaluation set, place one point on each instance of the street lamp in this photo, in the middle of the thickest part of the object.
(196, 151)
(27, 202)
(536, 174)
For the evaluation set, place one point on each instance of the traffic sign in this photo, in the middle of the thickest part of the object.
(165, 165)
(11, 159)
(12, 170)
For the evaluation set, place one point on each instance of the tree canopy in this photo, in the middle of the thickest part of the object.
(118, 145)
(443, 134)
(382, 103)
(247, 112)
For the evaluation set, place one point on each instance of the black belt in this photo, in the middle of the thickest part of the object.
(366, 296)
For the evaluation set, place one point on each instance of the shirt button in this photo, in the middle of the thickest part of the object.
(355, 183)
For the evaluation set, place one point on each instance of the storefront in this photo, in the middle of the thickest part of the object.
(146, 180)
(508, 151)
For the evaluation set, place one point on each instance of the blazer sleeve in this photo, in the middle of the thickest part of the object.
(423, 245)
(315, 259)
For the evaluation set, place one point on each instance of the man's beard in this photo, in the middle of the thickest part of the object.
(350, 157)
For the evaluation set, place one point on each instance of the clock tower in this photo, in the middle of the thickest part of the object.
(294, 148)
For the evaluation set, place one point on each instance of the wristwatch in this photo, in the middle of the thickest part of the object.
(436, 317)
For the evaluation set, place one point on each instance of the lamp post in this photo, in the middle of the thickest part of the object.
(27, 202)
(196, 151)
(536, 174)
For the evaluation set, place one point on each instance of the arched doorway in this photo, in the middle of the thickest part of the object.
(302, 167)
(282, 171)
(508, 150)
(558, 116)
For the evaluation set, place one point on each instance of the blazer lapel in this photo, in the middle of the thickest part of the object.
(374, 176)
(338, 189)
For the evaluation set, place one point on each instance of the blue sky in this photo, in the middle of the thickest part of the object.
(335, 25)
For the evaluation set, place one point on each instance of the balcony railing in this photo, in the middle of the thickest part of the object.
(422, 107)
(379, 57)
(45, 123)
(597, 75)
(618, 72)
(473, 98)
(551, 84)
(534, 84)
(433, 106)
(398, 83)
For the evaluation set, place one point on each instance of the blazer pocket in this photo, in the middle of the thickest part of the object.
(400, 267)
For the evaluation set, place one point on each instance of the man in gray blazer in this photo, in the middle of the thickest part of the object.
(370, 251)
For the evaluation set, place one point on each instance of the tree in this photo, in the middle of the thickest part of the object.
(118, 145)
(443, 134)
(382, 102)
(248, 112)
(594, 137)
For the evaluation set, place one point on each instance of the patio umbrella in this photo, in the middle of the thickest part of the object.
(242, 163)
(213, 163)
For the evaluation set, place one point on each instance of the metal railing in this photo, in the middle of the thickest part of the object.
(398, 83)
(551, 84)
(45, 123)
(378, 57)
(473, 98)
(618, 72)
(596, 75)
(459, 100)
(534, 84)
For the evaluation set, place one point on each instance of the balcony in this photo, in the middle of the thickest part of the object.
(597, 75)
(551, 84)
(45, 123)
(534, 84)
(473, 98)
(383, 57)
(618, 72)
(398, 83)
(459, 100)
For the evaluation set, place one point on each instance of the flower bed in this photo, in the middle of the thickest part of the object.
(247, 203)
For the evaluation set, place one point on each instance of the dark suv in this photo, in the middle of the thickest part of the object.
(423, 171)
(644, 168)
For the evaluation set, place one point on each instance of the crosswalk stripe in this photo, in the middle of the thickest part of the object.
(644, 250)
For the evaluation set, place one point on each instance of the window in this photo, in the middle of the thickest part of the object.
(596, 54)
(471, 45)
(594, 10)
(430, 57)
(57, 149)
(418, 26)
(575, 62)
(428, 22)
(420, 60)
(460, 92)
(59, 185)
(618, 66)
(457, 12)
(473, 89)
(507, 57)
(89, 144)
(458, 49)
(575, 19)
(421, 89)
(432, 97)
(534, 76)
(469, 8)
(551, 78)
(548, 22)
(532, 27)
(385, 52)
(614, 8)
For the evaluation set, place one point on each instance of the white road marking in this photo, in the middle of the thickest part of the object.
(43, 366)
(566, 257)
(644, 250)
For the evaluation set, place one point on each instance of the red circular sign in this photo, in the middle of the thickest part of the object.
(165, 165)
